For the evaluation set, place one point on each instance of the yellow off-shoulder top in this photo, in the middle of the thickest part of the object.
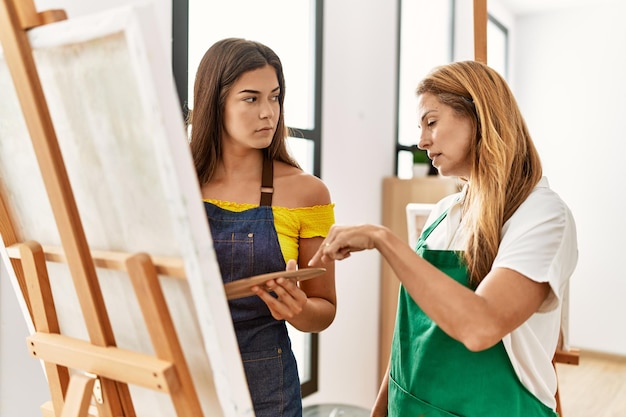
(291, 223)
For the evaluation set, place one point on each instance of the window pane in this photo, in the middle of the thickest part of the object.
(425, 39)
(497, 46)
(405, 164)
(286, 26)
(302, 151)
(301, 346)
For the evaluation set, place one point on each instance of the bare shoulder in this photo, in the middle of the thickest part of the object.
(295, 188)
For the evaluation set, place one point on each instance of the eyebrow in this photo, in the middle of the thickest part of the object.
(426, 114)
(257, 92)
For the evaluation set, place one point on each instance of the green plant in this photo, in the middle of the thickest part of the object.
(420, 156)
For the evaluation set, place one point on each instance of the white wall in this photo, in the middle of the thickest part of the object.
(357, 152)
(570, 85)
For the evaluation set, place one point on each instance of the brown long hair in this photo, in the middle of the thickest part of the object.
(505, 163)
(223, 63)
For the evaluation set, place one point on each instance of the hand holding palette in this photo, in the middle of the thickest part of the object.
(241, 287)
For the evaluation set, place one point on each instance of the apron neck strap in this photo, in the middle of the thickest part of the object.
(267, 182)
(421, 242)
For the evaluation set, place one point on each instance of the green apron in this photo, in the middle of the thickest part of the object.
(434, 375)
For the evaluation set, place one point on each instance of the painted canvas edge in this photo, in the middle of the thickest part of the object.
(209, 295)
(138, 23)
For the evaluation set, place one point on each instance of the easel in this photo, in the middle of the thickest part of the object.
(480, 31)
(76, 369)
(564, 354)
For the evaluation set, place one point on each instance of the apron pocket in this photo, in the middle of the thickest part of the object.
(235, 254)
(264, 371)
(402, 404)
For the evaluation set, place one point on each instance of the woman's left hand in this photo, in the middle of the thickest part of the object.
(290, 299)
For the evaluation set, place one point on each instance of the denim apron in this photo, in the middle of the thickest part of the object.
(434, 375)
(246, 244)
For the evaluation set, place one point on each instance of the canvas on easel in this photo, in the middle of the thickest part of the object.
(101, 216)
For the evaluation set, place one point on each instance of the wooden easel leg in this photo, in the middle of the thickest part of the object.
(78, 396)
(569, 356)
(29, 17)
(117, 398)
(145, 280)
(44, 314)
(557, 396)
(15, 17)
(480, 31)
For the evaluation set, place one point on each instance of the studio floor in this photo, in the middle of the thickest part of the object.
(594, 388)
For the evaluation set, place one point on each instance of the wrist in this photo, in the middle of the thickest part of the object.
(379, 237)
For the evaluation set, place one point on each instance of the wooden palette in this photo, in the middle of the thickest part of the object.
(242, 287)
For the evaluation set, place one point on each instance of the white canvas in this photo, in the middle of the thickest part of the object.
(112, 100)
(416, 216)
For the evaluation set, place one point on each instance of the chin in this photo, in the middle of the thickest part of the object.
(262, 144)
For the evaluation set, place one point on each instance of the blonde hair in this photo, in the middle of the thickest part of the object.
(505, 163)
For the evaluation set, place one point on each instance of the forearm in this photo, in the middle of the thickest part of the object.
(479, 319)
(459, 312)
(317, 314)
(382, 399)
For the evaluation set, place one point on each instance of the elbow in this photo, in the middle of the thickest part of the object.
(328, 319)
(478, 345)
(479, 340)
(322, 323)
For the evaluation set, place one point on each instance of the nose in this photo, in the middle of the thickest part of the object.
(267, 110)
(424, 139)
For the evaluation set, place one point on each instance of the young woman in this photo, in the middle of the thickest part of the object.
(264, 212)
(479, 307)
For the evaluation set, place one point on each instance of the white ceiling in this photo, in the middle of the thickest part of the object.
(536, 6)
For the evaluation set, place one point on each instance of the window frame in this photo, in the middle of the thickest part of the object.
(399, 146)
(180, 59)
(452, 52)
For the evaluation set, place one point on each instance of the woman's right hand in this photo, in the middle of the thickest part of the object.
(343, 240)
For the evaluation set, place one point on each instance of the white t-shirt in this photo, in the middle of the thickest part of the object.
(538, 241)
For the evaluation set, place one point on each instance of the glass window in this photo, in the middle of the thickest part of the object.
(267, 22)
(425, 39)
(293, 30)
(497, 46)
